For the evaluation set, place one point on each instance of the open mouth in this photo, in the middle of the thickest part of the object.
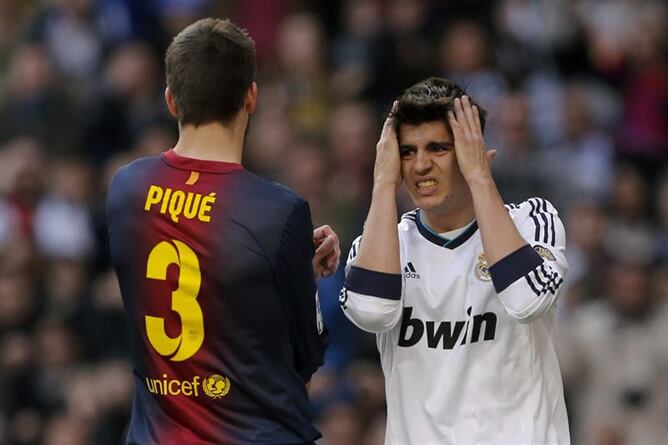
(426, 186)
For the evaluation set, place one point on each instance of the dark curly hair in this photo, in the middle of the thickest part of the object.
(430, 100)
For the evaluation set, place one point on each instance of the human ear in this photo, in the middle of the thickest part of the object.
(171, 103)
(251, 99)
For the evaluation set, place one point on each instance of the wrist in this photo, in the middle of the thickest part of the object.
(480, 180)
(381, 187)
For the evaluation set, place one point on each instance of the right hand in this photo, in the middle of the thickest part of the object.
(327, 253)
(387, 170)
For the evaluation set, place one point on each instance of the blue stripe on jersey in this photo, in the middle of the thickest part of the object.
(532, 286)
(545, 231)
(534, 209)
(376, 284)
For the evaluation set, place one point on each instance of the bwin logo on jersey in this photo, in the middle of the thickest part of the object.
(410, 271)
(447, 334)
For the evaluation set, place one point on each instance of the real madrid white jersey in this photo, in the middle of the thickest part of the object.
(464, 362)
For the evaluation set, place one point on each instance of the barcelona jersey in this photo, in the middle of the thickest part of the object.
(215, 269)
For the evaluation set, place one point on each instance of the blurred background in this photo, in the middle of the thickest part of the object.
(577, 94)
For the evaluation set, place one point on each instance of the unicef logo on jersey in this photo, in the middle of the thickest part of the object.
(216, 386)
(410, 272)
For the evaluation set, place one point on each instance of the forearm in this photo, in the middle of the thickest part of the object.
(499, 235)
(379, 248)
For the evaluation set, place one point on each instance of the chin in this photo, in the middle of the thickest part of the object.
(430, 202)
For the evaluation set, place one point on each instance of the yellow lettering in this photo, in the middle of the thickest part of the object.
(151, 388)
(176, 204)
(207, 202)
(177, 391)
(186, 388)
(165, 200)
(192, 203)
(153, 196)
(196, 385)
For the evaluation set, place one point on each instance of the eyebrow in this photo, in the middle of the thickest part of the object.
(447, 144)
(429, 144)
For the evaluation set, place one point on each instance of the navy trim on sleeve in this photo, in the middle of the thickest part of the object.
(514, 266)
(376, 284)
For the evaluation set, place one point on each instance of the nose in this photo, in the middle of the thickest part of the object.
(422, 162)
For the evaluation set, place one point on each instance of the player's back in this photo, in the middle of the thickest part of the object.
(214, 268)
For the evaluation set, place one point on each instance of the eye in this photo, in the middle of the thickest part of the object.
(406, 151)
(440, 148)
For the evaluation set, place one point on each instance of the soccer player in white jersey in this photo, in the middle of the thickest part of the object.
(462, 293)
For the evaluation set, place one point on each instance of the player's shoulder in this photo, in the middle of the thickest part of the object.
(271, 192)
(134, 170)
(531, 207)
(538, 221)
(128, 177)
(408, 220)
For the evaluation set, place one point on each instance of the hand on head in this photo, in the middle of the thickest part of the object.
(387, 171)
(473, 159)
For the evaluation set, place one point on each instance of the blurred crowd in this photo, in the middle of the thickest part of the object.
(577, 95)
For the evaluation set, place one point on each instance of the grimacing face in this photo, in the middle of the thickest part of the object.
(430, 170)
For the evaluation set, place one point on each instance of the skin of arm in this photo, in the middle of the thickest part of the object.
(499, 235)
(379, 248)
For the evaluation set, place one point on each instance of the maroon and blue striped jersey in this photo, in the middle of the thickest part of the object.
(215, 270)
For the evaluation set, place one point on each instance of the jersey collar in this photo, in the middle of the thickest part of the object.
(201, 165)
(435, 238)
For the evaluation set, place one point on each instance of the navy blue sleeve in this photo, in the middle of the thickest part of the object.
(377, 284)
(514, 266)
(296, 283)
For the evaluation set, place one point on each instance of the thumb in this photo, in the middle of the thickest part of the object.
(491, 154)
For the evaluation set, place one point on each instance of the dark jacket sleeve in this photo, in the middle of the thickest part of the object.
(297, 286)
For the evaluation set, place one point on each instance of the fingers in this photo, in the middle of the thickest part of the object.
(328, 251)
(467, 116)
(332, 263)
(326, 247)
(468, 112)
(388, 126)
(461, 115)
(327, 257)
(321, 232)
(476, 120)
(454, 125)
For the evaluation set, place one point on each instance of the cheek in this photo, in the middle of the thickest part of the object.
(453, 170)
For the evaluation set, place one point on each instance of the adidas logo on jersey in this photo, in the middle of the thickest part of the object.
(446, 334)
(410, 272)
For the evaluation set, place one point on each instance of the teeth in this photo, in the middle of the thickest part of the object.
(427, 183)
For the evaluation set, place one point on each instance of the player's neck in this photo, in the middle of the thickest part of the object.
(445, 220)
(211, 142)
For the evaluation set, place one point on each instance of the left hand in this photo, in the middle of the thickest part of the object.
(473, 159)
(327, 253)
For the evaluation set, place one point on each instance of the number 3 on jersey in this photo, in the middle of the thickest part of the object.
(184, 301)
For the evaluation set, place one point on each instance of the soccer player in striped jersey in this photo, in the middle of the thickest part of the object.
(462, 293)
(216, 266)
